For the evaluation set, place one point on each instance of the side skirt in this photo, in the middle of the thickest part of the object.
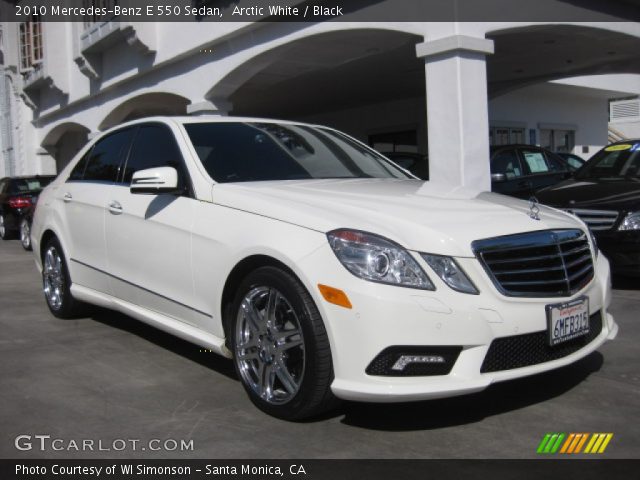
(167, 324)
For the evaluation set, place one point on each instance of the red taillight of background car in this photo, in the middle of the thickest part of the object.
(20, 202)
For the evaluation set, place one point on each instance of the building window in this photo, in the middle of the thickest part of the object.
(558, 140)
(406, 141)
(99, 6)
(31, 50)
(506, 136)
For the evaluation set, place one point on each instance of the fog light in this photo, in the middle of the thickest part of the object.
(405, 360)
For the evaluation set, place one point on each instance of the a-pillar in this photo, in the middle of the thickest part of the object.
(457, 110)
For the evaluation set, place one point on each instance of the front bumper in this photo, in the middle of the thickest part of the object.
(386, 316)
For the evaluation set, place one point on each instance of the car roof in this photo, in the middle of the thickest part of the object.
(516, 145)
(184, 119)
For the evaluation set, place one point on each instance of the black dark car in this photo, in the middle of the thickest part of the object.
(522, 170)
(605, 193)
(17, 194)
(573, 161)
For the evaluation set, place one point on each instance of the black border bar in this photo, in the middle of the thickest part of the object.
(541, 469)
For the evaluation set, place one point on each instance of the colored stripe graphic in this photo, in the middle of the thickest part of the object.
(598, 442)
(551, 443)
(573, 443)
(581, 443)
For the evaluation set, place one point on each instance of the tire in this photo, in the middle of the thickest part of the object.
(25, 234)
(56, 283)
(5, 233)
(283, 358)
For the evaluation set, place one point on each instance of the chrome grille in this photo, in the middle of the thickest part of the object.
(547, 263)
(596, 219)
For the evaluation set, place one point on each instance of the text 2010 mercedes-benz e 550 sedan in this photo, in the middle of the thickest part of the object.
(323, 269)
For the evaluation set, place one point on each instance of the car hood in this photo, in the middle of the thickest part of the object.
(618, 195)
(419, 215)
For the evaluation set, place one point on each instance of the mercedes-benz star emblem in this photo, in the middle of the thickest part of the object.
(534, 210)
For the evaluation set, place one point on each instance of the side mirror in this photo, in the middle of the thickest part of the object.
(155, 181)
(498, 177)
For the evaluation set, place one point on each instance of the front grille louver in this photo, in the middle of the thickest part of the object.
(547, 263)
(596, 219)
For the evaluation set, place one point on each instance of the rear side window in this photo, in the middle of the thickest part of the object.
(507, 163)
(104, 161)
(78, 171)
(27, 185)
(535, 160)
(154, 146)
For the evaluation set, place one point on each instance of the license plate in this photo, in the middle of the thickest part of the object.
(566, 321)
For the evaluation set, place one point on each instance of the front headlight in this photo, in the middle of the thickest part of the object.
(377, 259)
(630, 222)
(450, 273)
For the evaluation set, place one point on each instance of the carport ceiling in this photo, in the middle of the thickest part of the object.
(339, 70)
(334, 72)
(549, 52)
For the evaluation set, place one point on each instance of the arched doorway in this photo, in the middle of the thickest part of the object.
(64, 141)
(145, 105)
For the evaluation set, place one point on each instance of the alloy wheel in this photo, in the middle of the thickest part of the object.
(53, 278)
(25, 234)
(269, 345)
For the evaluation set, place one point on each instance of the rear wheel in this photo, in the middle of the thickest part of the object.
(280, 346)
(5, 233)
(56, 282)
(25, 234)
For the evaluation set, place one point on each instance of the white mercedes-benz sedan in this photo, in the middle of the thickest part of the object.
(322, 268)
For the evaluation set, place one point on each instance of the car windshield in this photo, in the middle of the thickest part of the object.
(34, 184)
(249, 152)
(615, 162)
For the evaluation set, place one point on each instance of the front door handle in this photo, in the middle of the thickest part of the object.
(67, 197)
(115, 208)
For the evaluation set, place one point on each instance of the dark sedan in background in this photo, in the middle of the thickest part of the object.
(17, 195)
(522, 170)
(605, 194)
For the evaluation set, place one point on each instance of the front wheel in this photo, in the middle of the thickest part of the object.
(280, 346)
(56, 282)
(25, 234)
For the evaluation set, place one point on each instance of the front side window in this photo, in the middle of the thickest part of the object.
(555, 163)
(247, 152)
(507, 163)
(154, 146)
(103, 163)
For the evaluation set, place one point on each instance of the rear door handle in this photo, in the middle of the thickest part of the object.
(115, 208)
(67, 197)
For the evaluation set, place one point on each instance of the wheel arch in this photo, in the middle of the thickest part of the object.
(47, 235)
(235, 277)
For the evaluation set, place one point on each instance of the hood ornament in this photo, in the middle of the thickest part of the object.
(534, 210)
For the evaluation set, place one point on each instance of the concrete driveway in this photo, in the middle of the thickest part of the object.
(107, 378)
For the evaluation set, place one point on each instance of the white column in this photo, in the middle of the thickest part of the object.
(457, 111)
